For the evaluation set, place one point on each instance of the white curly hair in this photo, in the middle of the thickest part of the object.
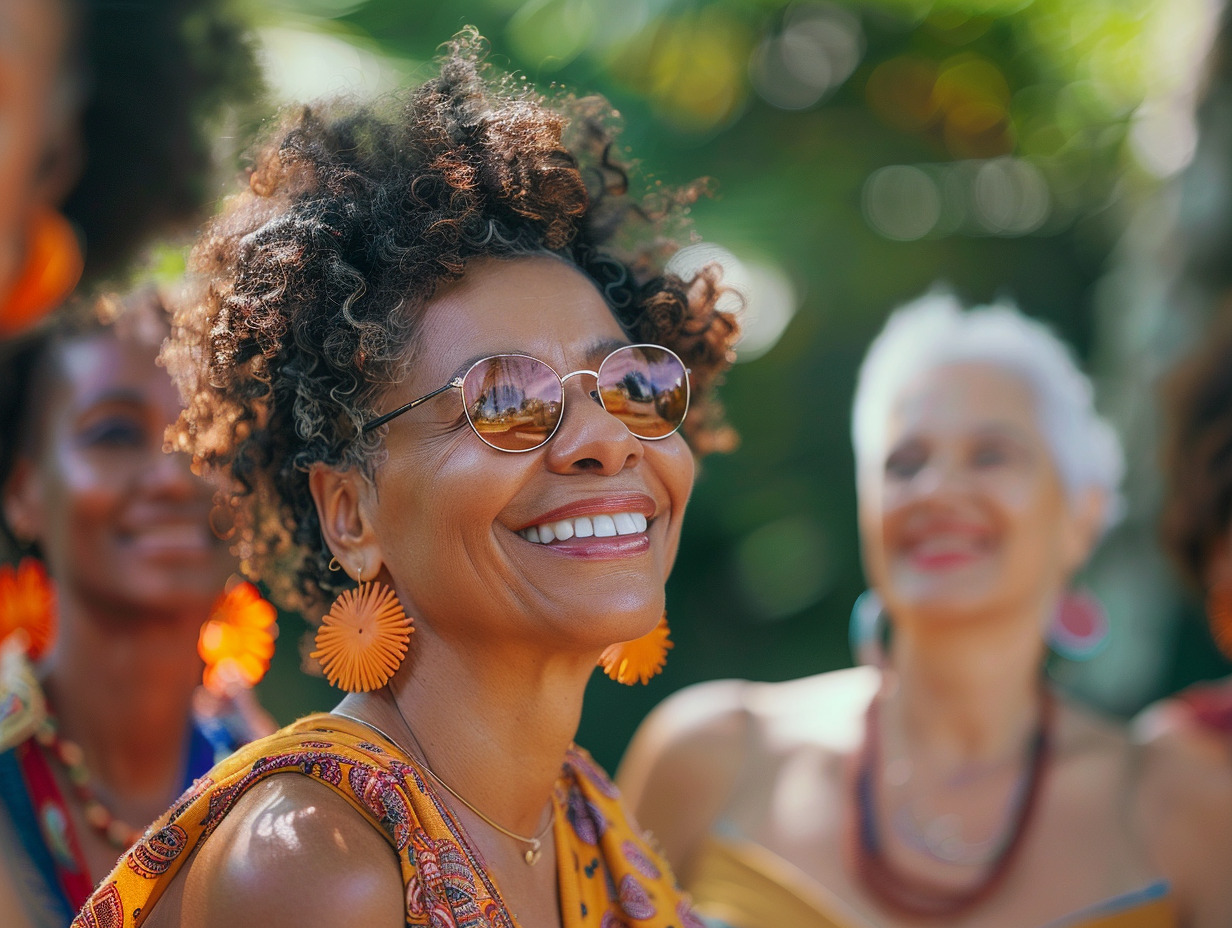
(934, 331)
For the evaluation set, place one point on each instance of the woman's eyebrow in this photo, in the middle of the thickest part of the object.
(113, 396)
(602, 347)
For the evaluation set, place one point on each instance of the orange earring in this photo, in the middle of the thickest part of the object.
(363, 638)
(237, 640)
(638, 660)
(1219, 615)
(28, 606)
(53, 267)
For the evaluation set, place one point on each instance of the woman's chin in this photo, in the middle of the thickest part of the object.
(944, 601)
(592, 629)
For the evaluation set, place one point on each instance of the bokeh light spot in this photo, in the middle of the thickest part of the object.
(1011, 197)
(901, 202)
(900, 92)
(760, 294)
(306, 63)
(816, 50)
(1163, 138)
(551, 33)
(783, 567)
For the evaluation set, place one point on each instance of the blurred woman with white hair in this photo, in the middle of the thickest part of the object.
(944, 782)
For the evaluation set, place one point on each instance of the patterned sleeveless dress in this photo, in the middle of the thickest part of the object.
(609, 875)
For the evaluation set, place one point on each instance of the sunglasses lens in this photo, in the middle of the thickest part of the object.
(646, 388)
(513, 402)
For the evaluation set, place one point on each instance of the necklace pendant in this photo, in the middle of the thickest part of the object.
(533, 853)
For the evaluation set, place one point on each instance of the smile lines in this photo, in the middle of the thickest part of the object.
(598, 526)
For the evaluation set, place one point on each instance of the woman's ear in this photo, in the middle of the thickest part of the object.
(341, 497)
(22, 497)
(1084, 527)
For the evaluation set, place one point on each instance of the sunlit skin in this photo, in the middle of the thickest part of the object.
(123, 529)
(38, 157)
(507, 631)
(969, 538)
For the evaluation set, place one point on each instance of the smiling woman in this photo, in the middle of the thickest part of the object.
(435, 352)
(99, 663)
(947, 783)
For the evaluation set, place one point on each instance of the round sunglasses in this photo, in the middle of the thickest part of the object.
(514, 402)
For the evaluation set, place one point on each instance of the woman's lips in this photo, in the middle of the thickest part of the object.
(171, 540)
(619, 546)
(610, 526)
(947, 552)
(608, 504)
(942, 560)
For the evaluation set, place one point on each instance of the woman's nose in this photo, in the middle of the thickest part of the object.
(169, 475)
(590, 439)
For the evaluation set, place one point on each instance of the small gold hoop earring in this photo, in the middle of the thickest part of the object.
(334, 564)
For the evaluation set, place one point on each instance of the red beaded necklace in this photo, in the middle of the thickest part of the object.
(917, 898)
(69, 755)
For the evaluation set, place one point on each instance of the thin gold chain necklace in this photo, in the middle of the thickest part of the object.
(534, 844)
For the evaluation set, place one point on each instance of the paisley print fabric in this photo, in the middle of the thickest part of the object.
(609, 875)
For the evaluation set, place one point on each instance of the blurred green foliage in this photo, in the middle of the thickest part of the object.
(860, 151)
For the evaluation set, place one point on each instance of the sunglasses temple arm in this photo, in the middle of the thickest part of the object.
(455, 384)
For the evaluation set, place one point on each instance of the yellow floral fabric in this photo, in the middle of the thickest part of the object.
(609, 876)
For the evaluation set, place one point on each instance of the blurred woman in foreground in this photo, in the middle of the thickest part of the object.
(946, 783)
(100, 623)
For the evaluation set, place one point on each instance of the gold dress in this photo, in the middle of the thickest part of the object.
(739, 884)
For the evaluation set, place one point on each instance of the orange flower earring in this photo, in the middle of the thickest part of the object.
(28, 606)
(638, 660)
(363, 638)
(53, 267)
(237, 640)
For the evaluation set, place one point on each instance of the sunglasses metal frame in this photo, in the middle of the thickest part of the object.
(456, 384)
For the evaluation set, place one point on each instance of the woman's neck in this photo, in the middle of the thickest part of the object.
(967, 693)
(495, 726)
(120, 684)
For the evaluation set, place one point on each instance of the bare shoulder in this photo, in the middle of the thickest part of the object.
(690, 745)
(698, 742)
(1186, 776)
(823, 711)
(1184, 809)
(707, 729)
(291, 852)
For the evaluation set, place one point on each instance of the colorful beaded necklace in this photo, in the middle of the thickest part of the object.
(71, 758)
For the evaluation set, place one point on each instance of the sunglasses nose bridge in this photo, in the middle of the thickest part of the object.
(594, 374)
(594, 394)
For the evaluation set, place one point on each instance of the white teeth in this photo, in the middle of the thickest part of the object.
(600, 526)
